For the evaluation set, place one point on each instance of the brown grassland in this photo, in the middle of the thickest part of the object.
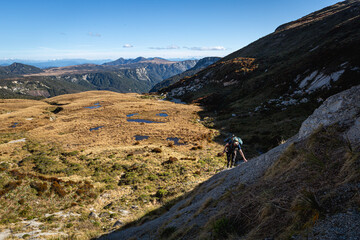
(62, 172)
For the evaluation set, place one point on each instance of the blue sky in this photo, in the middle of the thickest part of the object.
(109, 29)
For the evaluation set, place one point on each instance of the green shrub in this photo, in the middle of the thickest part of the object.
(161, 193)
(153, 177)
(39, 187)
(9, 187)
(129, 178)
(69, 154)
(46, 165)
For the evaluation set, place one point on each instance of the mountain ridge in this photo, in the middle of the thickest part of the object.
(201, 64)
(285, 74)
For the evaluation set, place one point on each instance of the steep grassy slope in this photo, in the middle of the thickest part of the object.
(38, 87)
(73, 165)
(311, 179)
(281, 78)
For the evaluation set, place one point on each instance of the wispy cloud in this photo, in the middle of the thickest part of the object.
(216, 48)
(91, 34)
(128, 46)
(165, 48)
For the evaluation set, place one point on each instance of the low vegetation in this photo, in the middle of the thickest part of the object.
(71, 179)
(313, 178)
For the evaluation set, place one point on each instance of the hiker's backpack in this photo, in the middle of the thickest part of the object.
(236, 139)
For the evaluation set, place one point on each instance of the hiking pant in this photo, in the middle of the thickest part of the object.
(231, 157)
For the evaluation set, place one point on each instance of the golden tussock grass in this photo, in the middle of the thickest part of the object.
(63, 166)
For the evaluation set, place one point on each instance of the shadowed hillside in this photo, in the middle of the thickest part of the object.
(306, 188)
(265, 90)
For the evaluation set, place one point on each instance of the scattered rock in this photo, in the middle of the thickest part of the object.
(93, 215)
(118, 223)
(4, 234)
(104, 215)
(124, 212)
(338, 226)
(62, 214)
(134, 207)
(109, 205)
(18, 141)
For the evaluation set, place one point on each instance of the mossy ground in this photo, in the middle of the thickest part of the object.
(65, 167)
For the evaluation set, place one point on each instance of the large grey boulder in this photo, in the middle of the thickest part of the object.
(344, 106)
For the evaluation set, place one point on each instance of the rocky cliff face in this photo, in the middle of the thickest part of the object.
(200, 65)
(269, 191)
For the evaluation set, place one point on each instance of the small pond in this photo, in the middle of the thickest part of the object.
(162, 115)
(132, 114)
(96, 105)
(142, 121)
(141, 137)
(175, 140)
(14, 125)
(96, 128)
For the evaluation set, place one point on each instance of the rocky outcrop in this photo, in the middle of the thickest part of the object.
(200, 65)
(341, 107)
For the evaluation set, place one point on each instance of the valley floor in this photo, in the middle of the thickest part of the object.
(82, 164)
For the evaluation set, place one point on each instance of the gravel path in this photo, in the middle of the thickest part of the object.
(341, 226)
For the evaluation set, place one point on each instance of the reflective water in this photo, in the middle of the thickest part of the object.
(14, 125)
(162, 115)
(132, 114)
(96, 128)
(142, 121)
(96, 105)
(141, 137)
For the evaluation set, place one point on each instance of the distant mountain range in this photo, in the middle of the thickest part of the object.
(131, 75)
(16, 69)
(122, 61)
(52, 63)
(200, 65)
